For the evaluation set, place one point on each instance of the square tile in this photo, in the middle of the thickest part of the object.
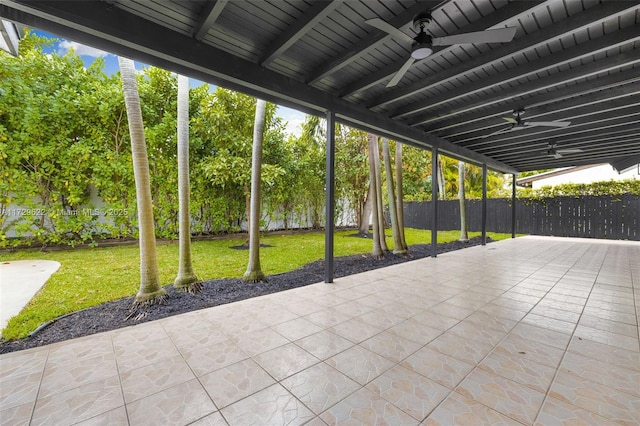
(320, 386)
(360, 364)
(19, 390)
(17, 414)
(630, 343)
(457, 409)
(391, 346)
(595, 397)
(517, 347)
(556, 412)
(620, 378)
(271, 406)
(355, 330)
(462, 348)
(519, 369)
(59, 377)
(413, 393)
(285, 361)
(181, 404)
(381, 320)
(22, 363)
(546, 336)
(115, 417)
(296, 328)
(366, 408)
(605, 353)
(78, 404)
(444, 369)
(256, 342)
(203, 360)
(328, 317)
(149, 379)
(413, 330)
(505, 396)
(324, 344)
(236, 381)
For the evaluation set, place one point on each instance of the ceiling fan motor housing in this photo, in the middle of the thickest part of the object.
(422, 46)
(421, 20)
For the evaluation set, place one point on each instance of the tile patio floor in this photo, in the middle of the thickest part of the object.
(534, 330)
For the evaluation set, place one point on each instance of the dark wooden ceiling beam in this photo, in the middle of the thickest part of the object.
(316, 13)
(626, 162)
(207, 17)
(594, 68)
(589, 142)
(544, 162)
(590, 17)
(579, 115)
(622, 119)
(371, 41)
(545, 63)
(501, 15)
(615, 84)
(595, 102)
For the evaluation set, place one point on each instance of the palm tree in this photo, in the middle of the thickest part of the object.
(378, 174)
(150, 290)
(397, 241)
(186, 279)
(400, 195)
(254, 271)
(376, 252)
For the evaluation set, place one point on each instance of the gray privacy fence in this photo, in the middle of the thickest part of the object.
(611, 217)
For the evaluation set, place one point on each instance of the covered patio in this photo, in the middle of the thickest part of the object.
(533, 330)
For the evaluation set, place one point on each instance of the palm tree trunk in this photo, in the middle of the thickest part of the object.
(397, 242)
(254, 271)
(400, 195)
(150, 290)
(464, 236)
(379, 206)
(365, 218)
(186, 279)
(441, 183)
(376, 251)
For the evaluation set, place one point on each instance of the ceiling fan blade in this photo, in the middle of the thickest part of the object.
(501, 35)
(401, 72)
(388, 28)
(569, 151)
(505, 130)
(510, 120)
(547, 123)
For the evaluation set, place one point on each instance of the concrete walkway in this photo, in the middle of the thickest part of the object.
(20, 280)
(528, 331)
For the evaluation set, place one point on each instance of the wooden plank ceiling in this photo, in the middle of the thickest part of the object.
(575, 61)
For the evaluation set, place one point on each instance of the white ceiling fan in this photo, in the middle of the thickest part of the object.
(556, 153)
(517, 123)
(422, 44)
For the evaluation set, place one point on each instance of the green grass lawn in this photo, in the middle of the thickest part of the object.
(91, 276)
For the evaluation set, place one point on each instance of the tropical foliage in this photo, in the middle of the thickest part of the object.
(66, 165)
(610, 187)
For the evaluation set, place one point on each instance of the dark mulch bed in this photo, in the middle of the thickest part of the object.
(118, 313)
